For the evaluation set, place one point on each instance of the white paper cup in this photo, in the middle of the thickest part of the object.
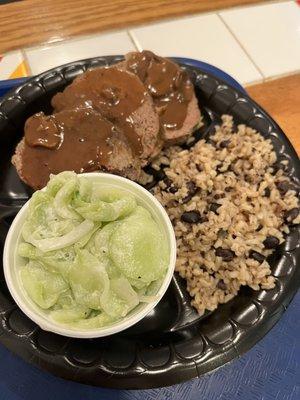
(12, 263)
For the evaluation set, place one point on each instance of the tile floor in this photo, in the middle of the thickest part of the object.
(251, 43)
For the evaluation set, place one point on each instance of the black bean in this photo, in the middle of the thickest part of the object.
(170, 187)
(164, 165)
(222, 233)
(283, 187)
(270, 242)
(256, 256)
(233, 236)
(168, 182)
(292, 214)
(192, 190)
(218, 169)
(259, 228)
(187, 198)
(173, 189)
(267, 192)
(150, 170)
(214, 207)
(191, 217)
(199, 168)
(224, 144)
(160, 175)
(192, 187)
(226, 254)
(219, 196)
(221, 285)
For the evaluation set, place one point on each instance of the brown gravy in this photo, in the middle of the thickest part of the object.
(115, 94)
(85, 144)
(169, 86)
(91, 115)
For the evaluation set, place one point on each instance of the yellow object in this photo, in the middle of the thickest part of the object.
(13, 65)
(20, 71)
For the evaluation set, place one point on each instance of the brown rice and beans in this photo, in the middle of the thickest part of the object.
(231, 205)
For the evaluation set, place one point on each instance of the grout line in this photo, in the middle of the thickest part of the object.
(242, 46)
(27, 64)
(253, 82)
(273, 78)
(134, 40)
(282, 75)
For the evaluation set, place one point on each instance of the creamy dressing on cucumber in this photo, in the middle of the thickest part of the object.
(90, 254)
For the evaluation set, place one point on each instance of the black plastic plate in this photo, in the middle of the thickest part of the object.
(173, 343)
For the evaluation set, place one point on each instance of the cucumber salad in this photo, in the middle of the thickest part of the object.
(90, 253)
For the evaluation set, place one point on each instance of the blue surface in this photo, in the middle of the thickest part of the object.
(5, 86)
(269, 371)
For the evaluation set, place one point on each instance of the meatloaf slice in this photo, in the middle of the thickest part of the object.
(121, 98)
(79, 140)
(168, 85)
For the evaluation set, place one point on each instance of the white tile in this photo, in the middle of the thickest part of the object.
(204, 37)
(42, 58)
(12, 65)
(270, 33)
